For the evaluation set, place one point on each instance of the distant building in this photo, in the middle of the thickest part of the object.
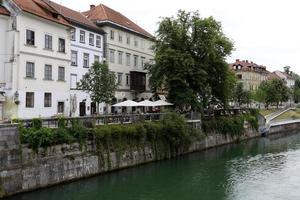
(288, 79)
(249, 73)
(127, 48)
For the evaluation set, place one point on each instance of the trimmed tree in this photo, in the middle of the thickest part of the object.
(100, 83)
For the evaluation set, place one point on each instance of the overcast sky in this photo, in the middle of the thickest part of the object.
(265, 32)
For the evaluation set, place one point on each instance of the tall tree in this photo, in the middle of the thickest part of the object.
(100, 83)
(274, 92)
(190, 54)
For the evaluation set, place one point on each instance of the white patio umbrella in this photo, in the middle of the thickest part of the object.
(127, 103)
(162, 103)
(146, 103)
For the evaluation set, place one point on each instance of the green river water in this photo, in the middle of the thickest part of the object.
(258, 169)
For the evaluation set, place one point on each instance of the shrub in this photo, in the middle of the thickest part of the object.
(37, 123)
(62, 122)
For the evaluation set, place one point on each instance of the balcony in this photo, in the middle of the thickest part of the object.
(138, 81)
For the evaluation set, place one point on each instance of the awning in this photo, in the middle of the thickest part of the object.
(162, 103)
(146, 103)
(128, 103)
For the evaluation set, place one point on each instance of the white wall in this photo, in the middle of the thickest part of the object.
(79, 70)
(38, 55)
(4, 20)
(142, 50)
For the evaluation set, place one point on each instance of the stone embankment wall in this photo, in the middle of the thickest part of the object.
(22, 169)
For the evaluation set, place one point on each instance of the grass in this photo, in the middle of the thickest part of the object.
(291, 114)
(266, 112)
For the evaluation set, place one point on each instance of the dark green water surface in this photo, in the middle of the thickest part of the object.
(259, 169)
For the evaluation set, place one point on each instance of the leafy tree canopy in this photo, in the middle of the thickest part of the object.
(99, 82)
(190, 64)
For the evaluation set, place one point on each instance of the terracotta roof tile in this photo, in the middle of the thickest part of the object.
(73, 16)
(3, 11)
(245, 65)
(104, 13)
(41, 9)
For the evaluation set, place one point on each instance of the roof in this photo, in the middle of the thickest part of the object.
(283, 75)
(3, 11)
(41, 9)
(245, 65)
(103, 13)
(73, 16)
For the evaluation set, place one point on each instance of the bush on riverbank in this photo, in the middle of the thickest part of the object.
(172, 131)
(231, 125)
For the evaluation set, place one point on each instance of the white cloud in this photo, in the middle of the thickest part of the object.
(266, 32)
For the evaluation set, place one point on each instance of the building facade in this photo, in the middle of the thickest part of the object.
(4, 24)
(36, 82)
(127, 48)
(86, 48)
(249, 73)
(287, 79)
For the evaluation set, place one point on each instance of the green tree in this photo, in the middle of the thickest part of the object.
(190, 64)
(274, 92)
(240, 95)
(297, 91)
(100, 83)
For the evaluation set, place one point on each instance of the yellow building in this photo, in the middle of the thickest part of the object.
(249, 73)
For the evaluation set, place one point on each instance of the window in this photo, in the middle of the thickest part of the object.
(91, 39)
(96, 58)
(61, 45)
(30, 37)
(73, 81)
(48, 42)
(120, 78)
(136, 43)
(240, 76)
(60, 107)
(142, 61)
(47, 100)
(120, 57)
(98, 41)
(74, 58)
(86, 60)
(112, 35)
(73, 34)
(136, 60)
(29, 70)
(48, 72)
(128, 59)
(82, 37)
(61, 73)
(112, 56)
(128, 40)
(127, 79)
(142, 44)
(120, 37)
(29, 100)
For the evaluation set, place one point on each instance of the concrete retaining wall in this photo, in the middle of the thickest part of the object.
(23, 170)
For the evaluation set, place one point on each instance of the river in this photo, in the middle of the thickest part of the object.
(258, 169)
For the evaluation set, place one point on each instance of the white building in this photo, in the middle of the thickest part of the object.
(86, 48)
(4, 24)
(36, 79)
(127, 47)
(288, 79)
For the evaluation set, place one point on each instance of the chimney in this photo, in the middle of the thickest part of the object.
(237, 60)
(92, 6)
(247, 61)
